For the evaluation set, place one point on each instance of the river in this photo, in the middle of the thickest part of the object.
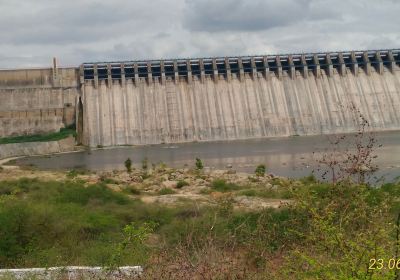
(290, 157)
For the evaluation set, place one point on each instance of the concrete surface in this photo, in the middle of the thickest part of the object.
(37, 148)
(154, 113)
(72, 273)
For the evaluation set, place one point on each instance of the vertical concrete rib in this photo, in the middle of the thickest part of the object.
(202, 71)
(162, 69)
(342, 65)
(317, 67)
(354, 63)
(123, 80)
(136, 73)
(189, 72)
(109, 77)
(304, 66)
(95, 76)
(81, 74)
(278, 66)
(292, 71)
(228, 69)
(253, 68)
(215, 70)
(367, 63)
(266, 67)
(241, 70)
(149, 74)
(378, 58)
(392, 63)
(330, 65)
(176, 72)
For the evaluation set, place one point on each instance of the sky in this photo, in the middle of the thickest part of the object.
(77, 31)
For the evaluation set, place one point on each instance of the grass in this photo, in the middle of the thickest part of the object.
(131, 190)
(107, 180)
(75, 172)
(266, 193)
(52, 223)
(181, 184)
(221, 185)
(65, 223)
(165, 191)
(63, 133)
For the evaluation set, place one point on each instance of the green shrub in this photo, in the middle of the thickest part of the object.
(165, 191)
(106, 180)
(128, 165)
(309, 179)
(181, 184)
(260, 170)
(221, 185)
(145, 175)
(132, 190)
(249, 192)
(199, 164)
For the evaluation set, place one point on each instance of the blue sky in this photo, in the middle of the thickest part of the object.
(76, 31)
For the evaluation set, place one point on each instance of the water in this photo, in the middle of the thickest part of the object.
(290, 157)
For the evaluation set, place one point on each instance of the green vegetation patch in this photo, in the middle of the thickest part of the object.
(282, 193)
(165, 191)
(222, 185)
(181, 184)
(326, 232)
(62, 134)
(65, 223)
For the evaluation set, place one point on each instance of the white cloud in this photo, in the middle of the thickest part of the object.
(33, 31)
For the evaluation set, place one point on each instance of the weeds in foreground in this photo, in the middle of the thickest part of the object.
(134, 239)
(350, 157)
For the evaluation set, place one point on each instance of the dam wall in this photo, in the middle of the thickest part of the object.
(204, 99)
(36, 101)
(171, 101)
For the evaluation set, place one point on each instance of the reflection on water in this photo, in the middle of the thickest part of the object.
(291, 157)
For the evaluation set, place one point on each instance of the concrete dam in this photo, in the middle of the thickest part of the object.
(184, 100)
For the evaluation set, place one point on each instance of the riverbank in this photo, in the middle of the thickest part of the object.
(168, 186)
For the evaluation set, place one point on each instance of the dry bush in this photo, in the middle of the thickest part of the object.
(205, 263)
(350, 157)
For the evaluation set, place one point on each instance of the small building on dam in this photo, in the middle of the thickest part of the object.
(205, 99)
